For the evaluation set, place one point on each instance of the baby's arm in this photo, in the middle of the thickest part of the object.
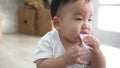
(98, 60)
(70, 57)
(51, 63)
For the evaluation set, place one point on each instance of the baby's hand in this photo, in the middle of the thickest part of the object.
(72, 56)
(93, 43)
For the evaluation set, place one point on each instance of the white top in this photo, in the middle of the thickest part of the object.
(50, 46)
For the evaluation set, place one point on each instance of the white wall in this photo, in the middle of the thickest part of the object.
(8, 10)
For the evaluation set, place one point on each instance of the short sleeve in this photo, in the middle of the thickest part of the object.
(44, 50)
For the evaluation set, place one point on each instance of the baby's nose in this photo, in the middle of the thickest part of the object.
(85, 25)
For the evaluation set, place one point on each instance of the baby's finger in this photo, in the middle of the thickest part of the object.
(94, 45)
(80, 54)
(81, 62)
(76, 49)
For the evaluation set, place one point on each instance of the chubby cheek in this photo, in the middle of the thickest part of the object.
(75, 30)
(73, 34)
(71, 31)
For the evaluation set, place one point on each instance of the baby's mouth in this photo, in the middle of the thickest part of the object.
(85, 33)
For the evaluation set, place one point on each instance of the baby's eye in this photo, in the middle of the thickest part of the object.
(90, 20)
(79, 19)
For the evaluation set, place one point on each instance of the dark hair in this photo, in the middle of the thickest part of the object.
(56, 4)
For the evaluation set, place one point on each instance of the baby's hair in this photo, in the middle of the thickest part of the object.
(56, 4)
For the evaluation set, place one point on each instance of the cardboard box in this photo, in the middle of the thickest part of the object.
(0, 28)
(26, 19)
(43, 22)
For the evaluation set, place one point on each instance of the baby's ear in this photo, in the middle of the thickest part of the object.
(56, 22)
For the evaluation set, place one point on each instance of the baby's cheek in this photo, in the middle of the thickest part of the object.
(73, 31)
(90, 29)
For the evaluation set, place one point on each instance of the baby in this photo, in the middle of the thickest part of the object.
(63, 47)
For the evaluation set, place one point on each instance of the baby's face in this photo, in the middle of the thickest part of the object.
(76, 19)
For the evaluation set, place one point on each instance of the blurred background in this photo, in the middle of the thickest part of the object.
(24, 22)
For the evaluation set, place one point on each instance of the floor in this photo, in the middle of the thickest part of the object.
(16, 51)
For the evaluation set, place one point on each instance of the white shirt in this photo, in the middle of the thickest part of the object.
(50, 46)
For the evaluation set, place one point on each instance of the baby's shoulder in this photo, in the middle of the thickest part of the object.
(50, 36)
(49, 39)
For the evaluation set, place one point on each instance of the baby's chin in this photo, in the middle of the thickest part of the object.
(79, 41)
